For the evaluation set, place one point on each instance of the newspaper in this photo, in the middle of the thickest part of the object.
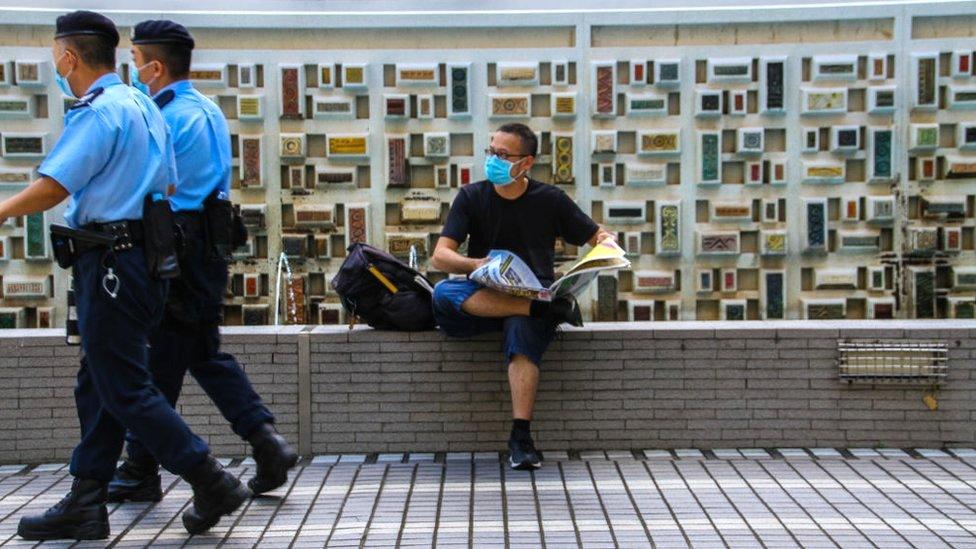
(506, 272)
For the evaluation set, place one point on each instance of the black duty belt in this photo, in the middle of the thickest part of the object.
(127, 234)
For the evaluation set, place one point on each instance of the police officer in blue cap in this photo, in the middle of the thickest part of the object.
(115, 159)
(188, 337)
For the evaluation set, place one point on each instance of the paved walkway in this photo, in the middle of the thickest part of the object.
(738, 498)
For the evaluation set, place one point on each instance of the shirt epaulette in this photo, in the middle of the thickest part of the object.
(87, 99)
(164, 98)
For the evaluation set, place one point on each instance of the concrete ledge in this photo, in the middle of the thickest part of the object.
(609, 385)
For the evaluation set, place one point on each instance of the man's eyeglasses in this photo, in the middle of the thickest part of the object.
(504, 156)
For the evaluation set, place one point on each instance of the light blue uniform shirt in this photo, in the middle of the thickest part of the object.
(115, 149)
(201, 142)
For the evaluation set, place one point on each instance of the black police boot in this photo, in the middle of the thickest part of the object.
(79, 515)
(565, 309)
(215, 493)
(135, 481)
(273, 456)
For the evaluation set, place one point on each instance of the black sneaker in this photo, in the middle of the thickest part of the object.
(135, 482)
(522, 454)
(79, 515)
(565, 309)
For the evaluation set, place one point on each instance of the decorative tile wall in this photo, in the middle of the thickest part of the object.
(747, 181)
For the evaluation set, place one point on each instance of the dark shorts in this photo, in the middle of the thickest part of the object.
(523, 335)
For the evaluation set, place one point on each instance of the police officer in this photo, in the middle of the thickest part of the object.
(188, 337)
(114, 151)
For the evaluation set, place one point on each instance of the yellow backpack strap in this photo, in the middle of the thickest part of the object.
(382, 278)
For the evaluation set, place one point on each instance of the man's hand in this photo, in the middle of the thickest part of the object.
(601, 235)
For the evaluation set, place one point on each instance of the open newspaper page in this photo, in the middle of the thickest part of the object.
(506, 272)
(605, 256)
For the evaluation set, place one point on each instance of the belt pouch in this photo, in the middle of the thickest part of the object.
(160, 238)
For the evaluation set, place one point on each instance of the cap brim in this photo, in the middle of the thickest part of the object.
(162, 41)
(87, 32)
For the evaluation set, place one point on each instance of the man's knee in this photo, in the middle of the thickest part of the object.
(520, 360)
(442, 293)
(127, 402)
(527, 337)
(449, 295)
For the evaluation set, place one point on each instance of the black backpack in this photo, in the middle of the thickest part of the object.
(366, 282)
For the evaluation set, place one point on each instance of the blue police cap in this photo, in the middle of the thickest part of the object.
(84, 22)
(162, 32)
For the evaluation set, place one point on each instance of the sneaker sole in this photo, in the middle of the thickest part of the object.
(525, 465)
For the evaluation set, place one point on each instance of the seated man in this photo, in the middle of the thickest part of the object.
(510, 212)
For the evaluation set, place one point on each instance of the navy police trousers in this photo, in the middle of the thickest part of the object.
(115, 391)
(189, 339)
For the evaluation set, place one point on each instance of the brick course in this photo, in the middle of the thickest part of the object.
(37, 408)
(689, 384)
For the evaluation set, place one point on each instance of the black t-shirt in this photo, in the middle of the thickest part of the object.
(527, 226)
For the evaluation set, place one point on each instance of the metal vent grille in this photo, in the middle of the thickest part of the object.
(893, 361)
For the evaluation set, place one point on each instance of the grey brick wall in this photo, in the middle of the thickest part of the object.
(695, 384)
(37, 378)
(37, 407)
(692, 384)
(270, 360)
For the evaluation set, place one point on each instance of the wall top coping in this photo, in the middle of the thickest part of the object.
(253, 14)
(797, 328)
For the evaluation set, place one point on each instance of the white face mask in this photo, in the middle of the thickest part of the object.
(499, 171)
(137, 82)
(62, 81)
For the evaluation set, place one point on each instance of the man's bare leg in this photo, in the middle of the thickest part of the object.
(523, 380)
(490, 303)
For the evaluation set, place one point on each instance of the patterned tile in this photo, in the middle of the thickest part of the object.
(48, 467)
(963, 452)
(826, 453)
(728, 501)
(892, 453)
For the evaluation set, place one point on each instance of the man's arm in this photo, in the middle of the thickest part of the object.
(446, 258)
(576, 227)
(43, 194)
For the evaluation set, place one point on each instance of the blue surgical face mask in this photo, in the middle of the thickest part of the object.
(137, 82)
(62, 81)
(498, 170)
